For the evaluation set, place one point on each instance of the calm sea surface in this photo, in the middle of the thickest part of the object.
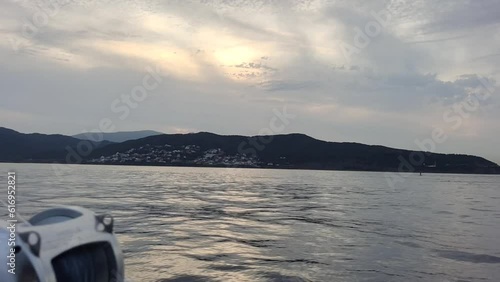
(208, 224)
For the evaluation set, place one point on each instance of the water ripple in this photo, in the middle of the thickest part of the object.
(200, 224)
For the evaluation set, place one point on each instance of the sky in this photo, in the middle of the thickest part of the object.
(406, 74)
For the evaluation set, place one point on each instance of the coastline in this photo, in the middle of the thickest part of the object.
(428, 170)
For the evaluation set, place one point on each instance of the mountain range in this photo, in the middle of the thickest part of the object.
(292, 151)
(36, 147)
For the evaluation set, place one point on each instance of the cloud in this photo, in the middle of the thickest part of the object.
(229, 63)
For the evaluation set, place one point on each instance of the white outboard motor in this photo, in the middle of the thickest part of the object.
(68, 244)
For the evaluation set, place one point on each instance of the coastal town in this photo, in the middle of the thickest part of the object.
(178, 155)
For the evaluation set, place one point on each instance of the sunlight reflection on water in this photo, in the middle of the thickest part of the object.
(209, 224)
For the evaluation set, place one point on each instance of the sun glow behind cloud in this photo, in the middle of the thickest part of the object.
(191, 54)
(236, 55)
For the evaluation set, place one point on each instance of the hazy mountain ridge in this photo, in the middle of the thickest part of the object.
(117, 137)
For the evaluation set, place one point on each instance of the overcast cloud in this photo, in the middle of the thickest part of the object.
(228, 64)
